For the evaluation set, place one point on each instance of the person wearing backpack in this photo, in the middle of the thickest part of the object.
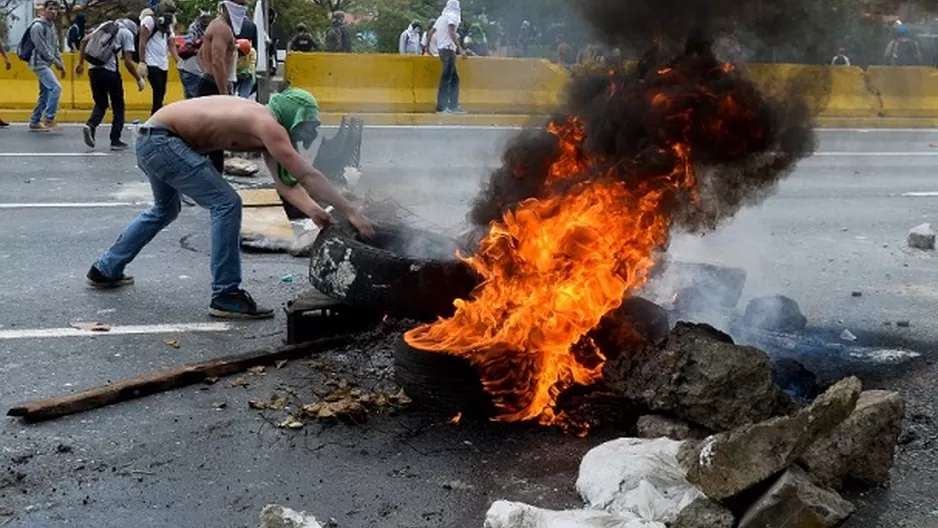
(40, 47)
(904, 49)
(101, 49)
(338, 38)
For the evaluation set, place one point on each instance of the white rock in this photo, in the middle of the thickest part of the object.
(847, 335)
(506, 514)
(276, 516)
(922, 237)
(636, 477)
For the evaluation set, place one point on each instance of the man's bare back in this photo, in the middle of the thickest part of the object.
(217, 122)
(218, 48)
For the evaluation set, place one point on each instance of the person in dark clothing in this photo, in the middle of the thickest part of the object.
(338, 38)
(904, 49)
(303, 41)
(248, 32)
(106, 82)
(76, 32)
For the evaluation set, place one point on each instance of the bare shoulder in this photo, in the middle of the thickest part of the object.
(264, 124)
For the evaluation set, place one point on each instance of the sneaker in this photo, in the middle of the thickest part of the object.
(51, 125)
(238, 305)
(38, 127)
(99, 280)
(4, 124)
(88, 134)
(458, 111)
(118, 145)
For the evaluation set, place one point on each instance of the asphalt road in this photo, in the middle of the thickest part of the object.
(838, 225)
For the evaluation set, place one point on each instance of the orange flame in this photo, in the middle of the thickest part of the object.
(551, 269)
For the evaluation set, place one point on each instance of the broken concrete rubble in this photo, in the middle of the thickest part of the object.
(276, 516)
(862, 448)
(703, 377)
(922, 237)
(795, 502)
(240, 167)
(723, 465)
(657, 426)
(776, 313)
(704, 513)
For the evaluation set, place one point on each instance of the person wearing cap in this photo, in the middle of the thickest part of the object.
(106, 82)
(247, 69)
(303, 41)
(170, 149)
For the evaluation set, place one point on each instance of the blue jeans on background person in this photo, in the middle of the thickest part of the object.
(173, 167)
(447, 98)
(190, 83)
(244, 88)
(49, 92)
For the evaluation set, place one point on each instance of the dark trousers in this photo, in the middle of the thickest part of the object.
(157, 78)
(207, 86)
(447, 97)
(105, 85)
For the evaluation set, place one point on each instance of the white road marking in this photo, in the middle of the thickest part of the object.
(51, 154)
(883, 154)
(923, 193)
(33, 333)
(68, 205)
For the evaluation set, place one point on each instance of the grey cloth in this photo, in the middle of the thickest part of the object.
(123, 41)
(46, 41)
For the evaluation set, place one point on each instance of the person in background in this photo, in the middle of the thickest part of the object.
(303, 41)
(46, 54)
(9, 66)
(841, 59)
(338, 38)
(566, 55)
(76, 32)
(106, 82)
(409, 43)
(188, 49)
(158, 42)
(476, 42)
(218, 58)
(447, 100)
(904, 49)
(429, 41)
(247, 69)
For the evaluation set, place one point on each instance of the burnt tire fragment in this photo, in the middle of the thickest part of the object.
(402, 271)
(441, 382)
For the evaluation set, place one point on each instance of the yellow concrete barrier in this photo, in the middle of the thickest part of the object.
(399, 84)
(833, 91)
(19, 87)
(906, 91)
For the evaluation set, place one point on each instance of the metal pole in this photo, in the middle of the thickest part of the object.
(264, 78)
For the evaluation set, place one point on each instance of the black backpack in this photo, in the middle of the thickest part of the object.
(905, 53)
(100, 47)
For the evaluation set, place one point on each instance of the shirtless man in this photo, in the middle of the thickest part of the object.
(218, 58)
(170, 150)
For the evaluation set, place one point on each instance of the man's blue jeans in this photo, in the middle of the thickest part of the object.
(49, 92)
(174, 168)
(190, 83)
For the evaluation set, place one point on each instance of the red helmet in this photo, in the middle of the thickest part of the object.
(244, 46)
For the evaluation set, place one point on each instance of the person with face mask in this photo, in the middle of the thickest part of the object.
(189, 70)
(218, 58)
(444, 30)
(409, 43)
(169, 149)
(157, 43)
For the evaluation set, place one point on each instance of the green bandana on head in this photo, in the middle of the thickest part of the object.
(294, 108)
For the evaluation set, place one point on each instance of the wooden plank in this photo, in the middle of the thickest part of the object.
(267, 228)
(163, 380)
(259, 197)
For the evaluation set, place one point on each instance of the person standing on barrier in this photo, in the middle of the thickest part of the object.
(43, 39)
(447, 100)
(157, 43)
(101, 49)
(9, 66)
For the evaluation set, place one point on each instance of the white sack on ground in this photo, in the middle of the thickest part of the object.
(506, 514)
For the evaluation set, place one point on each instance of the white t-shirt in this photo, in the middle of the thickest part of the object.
(123, 41)
(157, 48)
(443, 39)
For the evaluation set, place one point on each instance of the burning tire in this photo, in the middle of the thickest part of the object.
(441, 382)
(402, 271)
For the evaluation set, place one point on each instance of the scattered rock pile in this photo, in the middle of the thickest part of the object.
(725, 446)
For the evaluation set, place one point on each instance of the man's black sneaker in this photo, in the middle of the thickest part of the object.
(119, 145)
(238, 305)
(88, 134)
(98, 280)
(4, 124)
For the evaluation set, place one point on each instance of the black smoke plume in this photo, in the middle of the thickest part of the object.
(742, 141)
